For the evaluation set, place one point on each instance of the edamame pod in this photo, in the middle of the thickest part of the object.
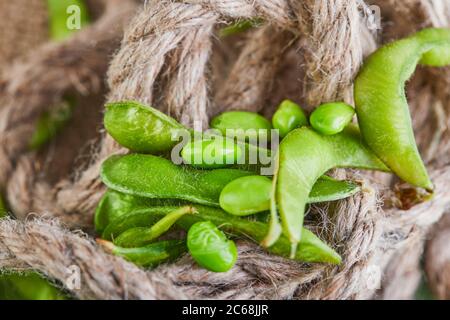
(310, 249)
(381, 104)
(251, 194)
(304, 156)
(252, 125)
(141, 128)
(63, 12)
(210, 248)
(288, 116)
(154, 177)
(331, 118)
(150, 255)
(140, 236)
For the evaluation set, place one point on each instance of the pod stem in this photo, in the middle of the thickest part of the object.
(108, 246)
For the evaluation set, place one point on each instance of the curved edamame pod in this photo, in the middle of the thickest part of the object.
(304, 156)
(155, 177)
(381, 104)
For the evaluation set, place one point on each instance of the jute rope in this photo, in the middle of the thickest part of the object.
(176, 36)
(19, 32)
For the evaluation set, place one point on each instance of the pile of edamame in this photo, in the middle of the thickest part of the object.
(209, 188)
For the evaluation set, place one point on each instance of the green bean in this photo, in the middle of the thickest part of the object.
(50, 123)
(140, 236)
(305, 155)
(149, 256)
(243, 125)
(310, 249)
(154, 177)
(251, 194)
(381, 104)
(210, 248)
(288, 116)
(215, 153)
(141, 128)
(331, 118)
(59, 15)
(27, 286)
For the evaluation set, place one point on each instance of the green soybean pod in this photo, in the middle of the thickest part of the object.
(210, 248)
(288, 116)
(331, 118)
(155, 177)
(310, 249)
(251, 194)
(50, 123)
(141, 128)
(214, 153)
(63, 12)
(304, 156)
(253, 124)
(381, 104)
(140, 236)
(150, 255)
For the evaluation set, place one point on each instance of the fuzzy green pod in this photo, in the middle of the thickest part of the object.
(150, 255)
(381, 104)
(331, 118)
(141, 128)
(253, 125)
(210, 248)
(66, 17)
(158, 178)
(288, 116)
(300, 166)
(251, 194)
